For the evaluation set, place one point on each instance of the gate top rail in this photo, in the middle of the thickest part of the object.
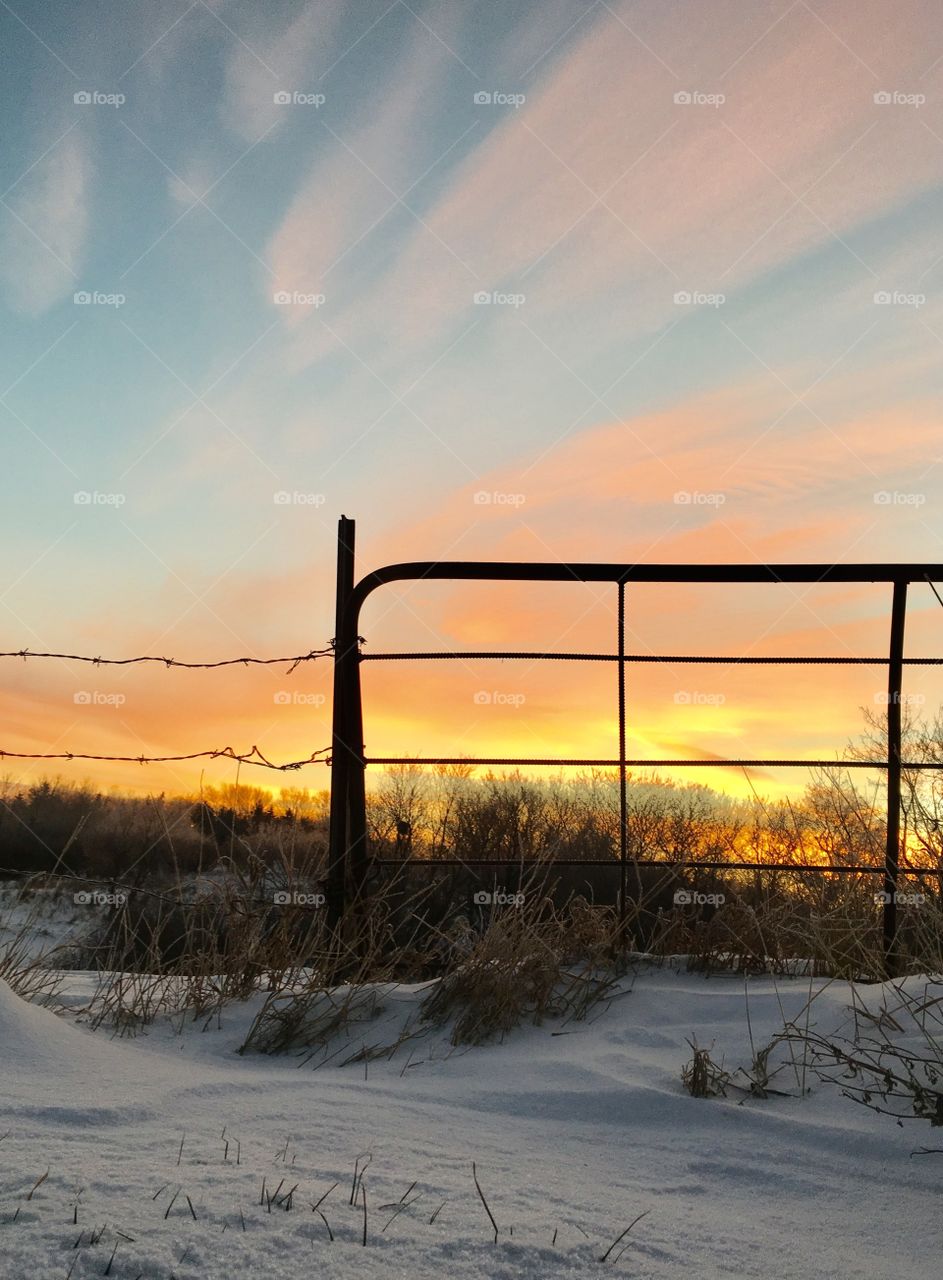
(579, 571)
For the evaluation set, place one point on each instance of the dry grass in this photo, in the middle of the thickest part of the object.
(192, 948)
(782, 922)
(347, 969)
(889, 1059)
(25, 969)
(200, 943)
(532, 962)
(702, 1076)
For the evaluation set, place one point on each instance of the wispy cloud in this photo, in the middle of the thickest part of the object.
(602, 186)
(45, 220)
(264, 63)
(357, 179)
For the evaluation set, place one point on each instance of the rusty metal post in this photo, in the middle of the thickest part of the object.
(895, 667)
(340, 754)
(357, 768)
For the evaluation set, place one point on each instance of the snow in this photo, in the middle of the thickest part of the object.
(574, 1130)
(40, 921)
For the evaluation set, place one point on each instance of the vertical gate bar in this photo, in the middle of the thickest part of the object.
(340, 759)
(895, 669)
(623, 807)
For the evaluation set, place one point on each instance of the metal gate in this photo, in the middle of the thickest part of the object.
(347, 861)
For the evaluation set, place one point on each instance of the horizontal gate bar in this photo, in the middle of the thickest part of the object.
(471, 863)
(720, 659)
(647, 764)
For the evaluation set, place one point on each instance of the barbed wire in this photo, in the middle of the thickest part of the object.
(322, 756)
(254, 756)
(295, 660)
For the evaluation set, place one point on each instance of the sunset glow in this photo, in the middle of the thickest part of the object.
(641, 282)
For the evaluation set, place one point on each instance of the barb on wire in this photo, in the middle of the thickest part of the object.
(295, 660)
(254, 756)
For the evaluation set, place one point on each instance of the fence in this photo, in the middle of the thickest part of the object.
(348, 854)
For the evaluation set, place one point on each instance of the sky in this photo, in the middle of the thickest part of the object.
(651, 281)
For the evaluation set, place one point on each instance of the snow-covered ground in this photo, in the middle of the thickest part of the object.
(574, 1131)
(41, 920)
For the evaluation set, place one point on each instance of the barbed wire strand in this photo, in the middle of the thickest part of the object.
(254, 756)
(294, 660)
